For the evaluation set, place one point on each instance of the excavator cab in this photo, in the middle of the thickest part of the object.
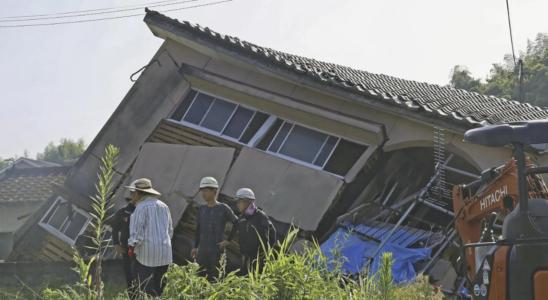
(516, 266)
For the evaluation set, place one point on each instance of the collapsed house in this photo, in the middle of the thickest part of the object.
(24, 185)
(324, 147)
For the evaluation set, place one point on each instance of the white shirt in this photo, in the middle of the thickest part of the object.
(151, 231)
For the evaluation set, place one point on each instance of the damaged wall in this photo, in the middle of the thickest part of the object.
(288, 192)
(178, 169)
(150, 99)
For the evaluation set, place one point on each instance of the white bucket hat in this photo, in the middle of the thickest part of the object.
(143, 185)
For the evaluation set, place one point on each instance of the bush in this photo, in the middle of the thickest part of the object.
(299, 276)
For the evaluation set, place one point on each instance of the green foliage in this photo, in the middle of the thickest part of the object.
(23, 292)
(503, 79)
(66, 153)
(296, 276)
(286, 276)
(83, 289)
(5, 162)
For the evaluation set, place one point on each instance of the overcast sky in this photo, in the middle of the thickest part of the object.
(66, 80)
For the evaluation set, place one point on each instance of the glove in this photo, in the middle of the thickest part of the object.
(130, 252)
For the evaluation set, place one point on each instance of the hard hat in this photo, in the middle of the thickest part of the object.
(245, 194)
(209, 182)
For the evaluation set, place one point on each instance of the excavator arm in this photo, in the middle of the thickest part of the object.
(498, 193)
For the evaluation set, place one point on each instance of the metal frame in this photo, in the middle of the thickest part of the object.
(56, 232)
(262, 132)
(420, 199)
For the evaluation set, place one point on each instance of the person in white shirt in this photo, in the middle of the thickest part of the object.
(151, 231)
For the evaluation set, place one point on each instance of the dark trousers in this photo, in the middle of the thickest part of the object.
(250, 264)
(149, 279)
(128, 270)
(209, 263)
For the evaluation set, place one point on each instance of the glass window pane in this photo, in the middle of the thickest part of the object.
(238, 122)
(183, 107)
(218, 115)
(269, 136)
(198, 109)
(326, 151)
(59, 217)
(78, 222)
(282, 134)
(254, 126)
(303, 144)
(344, 157)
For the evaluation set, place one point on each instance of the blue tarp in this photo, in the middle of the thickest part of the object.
(356, 252)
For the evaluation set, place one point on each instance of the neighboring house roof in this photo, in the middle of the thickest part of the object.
(436, 101)
(31, 163)
(22, 186)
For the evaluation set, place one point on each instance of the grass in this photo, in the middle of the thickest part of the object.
(23, 292)
(286, 276)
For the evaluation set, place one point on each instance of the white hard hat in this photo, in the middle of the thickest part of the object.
(209, 182)
(245, 194)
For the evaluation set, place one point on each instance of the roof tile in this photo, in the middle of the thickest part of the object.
(444, 101)
(30, 185)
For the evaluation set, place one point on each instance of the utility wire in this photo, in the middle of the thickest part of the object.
(97, 13)
(110, 18)
(511, 37)
(83, 11)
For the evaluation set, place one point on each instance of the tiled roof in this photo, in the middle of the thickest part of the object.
(30, 185)
(450, 104)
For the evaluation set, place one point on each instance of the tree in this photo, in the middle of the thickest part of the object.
(66, 153)
(5, 162)
(503, 80)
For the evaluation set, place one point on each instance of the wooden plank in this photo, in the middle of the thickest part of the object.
(64, 255)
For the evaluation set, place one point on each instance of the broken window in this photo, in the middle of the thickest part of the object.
(219, 116)
(284, 138)
(320, 150)
(65, 222)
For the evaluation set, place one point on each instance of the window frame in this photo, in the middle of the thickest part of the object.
(56, 232)
(212, 132)
(263, 130)
(312, 165)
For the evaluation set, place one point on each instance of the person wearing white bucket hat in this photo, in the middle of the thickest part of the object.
(151, 231)
(211, 223)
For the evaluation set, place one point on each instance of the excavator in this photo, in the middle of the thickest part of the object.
(515, 264)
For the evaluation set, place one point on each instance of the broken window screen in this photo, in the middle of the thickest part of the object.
(344, 157)
(198, 109)
(269, 136)
(59, 216)
(280, 137)
(218, 115)
(221, 116)
(312, 147)
(256, 123)
(179, 113)
(78, 222)
(238, 123)
(59, 219)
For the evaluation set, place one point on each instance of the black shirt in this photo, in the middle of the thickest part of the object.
(211, 224)
(255, 231)
(121, 225)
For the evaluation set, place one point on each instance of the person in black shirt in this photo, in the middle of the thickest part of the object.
(120, 236)
(256, 231)
(211, 224)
